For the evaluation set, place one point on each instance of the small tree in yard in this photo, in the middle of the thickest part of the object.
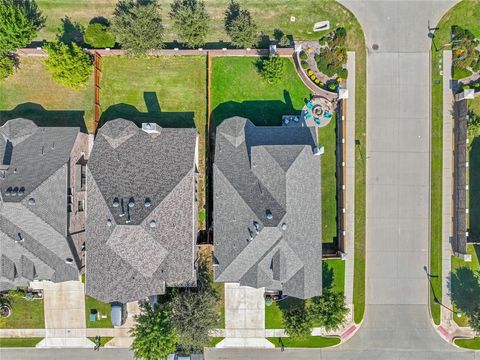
(7, 64)
(69, 64)
(474, 320)
(19, 22)
(271, 69)
(99, 36)
(137, 25)
(297, 320)
(154, 334)
(240, 26)
(190, 21)
(329, 309)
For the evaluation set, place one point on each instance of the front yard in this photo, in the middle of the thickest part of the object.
(19, 342)
(26, 313)
(333, 276)
(98, 307)
(307, 342)
(32, 93)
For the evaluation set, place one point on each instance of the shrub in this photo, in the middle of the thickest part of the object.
(343, 73)
(313, 77)
(310, 72)
(284, 41)
(6, 66)
(304, 65)
(271, 69)
(317, 81)
(99, 36)
(303, 55)
(332, 86)
(68, 63)
(330, 59)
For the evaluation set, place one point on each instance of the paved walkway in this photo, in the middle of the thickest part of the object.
(244, 317)
(350, 179)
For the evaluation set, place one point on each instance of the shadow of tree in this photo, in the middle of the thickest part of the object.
(474, 189)
(465, 288)
(42, 117)
(154, 114)
(71, 31)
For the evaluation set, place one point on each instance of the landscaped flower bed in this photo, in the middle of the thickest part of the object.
(324, 61)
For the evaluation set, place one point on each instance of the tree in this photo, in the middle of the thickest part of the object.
(271, 69)
(195, 311)
(69, 64)
(99, 36)
(240, 26)
(19, 22)
(137, 25)
(329, 309)
(190, 21)
(297, 320)
(474, 320)
(154, 334)
(7, 63)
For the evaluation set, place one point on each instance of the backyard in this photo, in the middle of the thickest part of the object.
(32, 93)
(168, 90)
(333, 277)
(463, 14)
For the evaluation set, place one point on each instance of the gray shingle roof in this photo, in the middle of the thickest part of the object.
(34, 165)
(129, 257)
(267, 208)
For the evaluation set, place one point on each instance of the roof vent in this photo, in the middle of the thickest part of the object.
(15, 191)
(109, 222)
(9, 191)
(31, 201)
(147, 202)
(256, 226)
(116, 203)
(152, 223)
(21, 191)
(269, 214)
(284, 226)
(19, 238)
(69, 261)
(131, 203)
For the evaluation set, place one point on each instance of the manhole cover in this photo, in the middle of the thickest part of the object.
(375, 46)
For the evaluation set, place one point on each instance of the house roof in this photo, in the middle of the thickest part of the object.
(267, 208)
(33, 203)
(136, 251)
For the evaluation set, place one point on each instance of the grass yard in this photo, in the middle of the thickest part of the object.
(464, 15)
(101, 308)
(333, 276)
(32, 93)
(214, 341)
(308, 342)
(168, 90)
(25, 314)
(103, 340)
(473, 344)
(465, 283)
(19, 342)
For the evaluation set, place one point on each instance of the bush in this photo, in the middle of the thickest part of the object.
(69, 64)
(98, 36)
(343, 73)
(303, 55)
(310, 72)
(332, 86)
(313, 77)
(6, 66)
(284, 41)
(317, 81)
(304, 65)
(271, 69)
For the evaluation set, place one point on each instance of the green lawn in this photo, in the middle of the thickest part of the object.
(92, 304)
(465, 283)
(103, 340)
(473, 344)
(214, 341)
(464, 15)
(333, 275)
(19, 342)
(26, 314)
(32, 93)
(168, 90)
(308, 342)
(221, 303)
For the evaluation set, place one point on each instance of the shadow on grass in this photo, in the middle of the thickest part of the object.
(465, 289)
(474, 189)
(154, 114)
(47, 118)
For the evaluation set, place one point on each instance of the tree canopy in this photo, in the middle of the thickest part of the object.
(154, 334)
(19, 22)
(137, 25)
(68, 63)
(240, 26)
(329, 310)
(271, 69)
(99, 36)
(190, 21)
